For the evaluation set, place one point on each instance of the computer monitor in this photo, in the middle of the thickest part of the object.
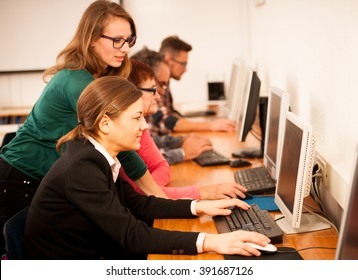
(278, 105)
(247, 111)
(347, 248)
(295, 178)
(236, 87)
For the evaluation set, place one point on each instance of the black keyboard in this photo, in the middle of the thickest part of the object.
(253, 219)
(257, 180)
(211, 158)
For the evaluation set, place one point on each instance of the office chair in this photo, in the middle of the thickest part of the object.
(14, 230)
(7, 138)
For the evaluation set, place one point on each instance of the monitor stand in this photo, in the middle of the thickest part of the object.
(248, 153)
(309, 222)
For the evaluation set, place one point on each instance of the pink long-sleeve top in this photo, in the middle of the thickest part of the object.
(160, 170)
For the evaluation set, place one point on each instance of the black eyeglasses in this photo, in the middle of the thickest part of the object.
(152, 90)
(119, 42)
(182, 63)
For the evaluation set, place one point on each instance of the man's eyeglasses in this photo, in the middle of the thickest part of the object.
(152, 90)
(182, 63)
(119, 42)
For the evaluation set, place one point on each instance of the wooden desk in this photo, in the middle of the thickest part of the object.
(189, 173)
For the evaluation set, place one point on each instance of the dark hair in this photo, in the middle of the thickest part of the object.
(174, 44)
(140, 73)
(150, 57)
(110, 95)
(79, 54)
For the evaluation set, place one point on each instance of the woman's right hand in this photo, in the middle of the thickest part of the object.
(233, 243)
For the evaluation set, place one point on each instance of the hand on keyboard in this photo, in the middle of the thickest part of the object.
(193, 146)
(222, 125)
(222, 191)
(219, 207)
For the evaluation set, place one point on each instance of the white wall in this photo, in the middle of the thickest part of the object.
(305, 47)
(212, 28)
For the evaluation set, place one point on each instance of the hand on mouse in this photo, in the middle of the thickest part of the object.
(234, 243)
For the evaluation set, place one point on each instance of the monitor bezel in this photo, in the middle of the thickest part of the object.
(251, 96)
(271, 166)
(304, 174)
(236, 87)
(352, 199)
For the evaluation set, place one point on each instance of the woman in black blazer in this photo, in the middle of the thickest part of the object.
(81, 210)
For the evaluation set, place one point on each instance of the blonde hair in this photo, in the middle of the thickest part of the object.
(79, 54)
(110, 95)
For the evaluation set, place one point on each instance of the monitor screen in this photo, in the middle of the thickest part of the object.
(278, 105)
(295, 177)
(236, 87)
(347, 248)
(249, 106)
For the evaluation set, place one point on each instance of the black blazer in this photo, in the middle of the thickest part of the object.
(78, 212)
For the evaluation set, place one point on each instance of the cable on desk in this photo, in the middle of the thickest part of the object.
(304, 249)
(255, 134)
(282, 217)
(320, 216)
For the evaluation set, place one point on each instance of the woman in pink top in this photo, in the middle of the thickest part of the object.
(142, 76)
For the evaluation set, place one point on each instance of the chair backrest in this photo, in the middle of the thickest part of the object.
(14, 230)
(7, 138)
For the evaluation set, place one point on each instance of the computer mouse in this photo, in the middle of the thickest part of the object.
(268, 249)
(239, 163)
(248, 195)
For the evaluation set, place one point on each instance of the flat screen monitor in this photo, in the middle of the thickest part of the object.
(250, 102)
(247, 112)
(347, 248)
(236, 87)
(295, 177)
(278, 105)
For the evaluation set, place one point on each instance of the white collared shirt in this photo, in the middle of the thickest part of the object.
(113, 162)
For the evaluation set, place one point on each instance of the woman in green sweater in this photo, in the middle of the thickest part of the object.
(99, 48)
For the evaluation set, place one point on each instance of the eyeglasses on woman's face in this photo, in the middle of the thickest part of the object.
(119, 41)
(152, 90)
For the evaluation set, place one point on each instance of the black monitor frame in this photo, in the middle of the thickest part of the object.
(251, 103)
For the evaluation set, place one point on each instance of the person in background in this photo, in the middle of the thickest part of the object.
(82, 210)
(100, 47)
(175, 149)
(176, 54)
(143, 77)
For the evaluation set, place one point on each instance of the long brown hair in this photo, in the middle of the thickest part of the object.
(110, 95)
(79, 54)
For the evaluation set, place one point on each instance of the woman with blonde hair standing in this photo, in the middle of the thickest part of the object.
(100, 47)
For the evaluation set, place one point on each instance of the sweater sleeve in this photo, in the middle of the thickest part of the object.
(168, 141)
(132, 164)
(174, 155)
(152, 157)
(190, 192)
